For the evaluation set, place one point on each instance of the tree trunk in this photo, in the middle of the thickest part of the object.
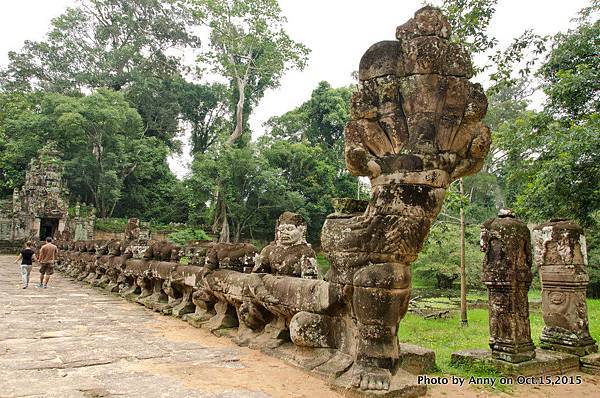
(224, 234)
(221, 223)
(239, 113)
(238, 233)
(463, 278)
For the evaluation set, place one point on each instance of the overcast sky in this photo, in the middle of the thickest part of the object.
(337, 31)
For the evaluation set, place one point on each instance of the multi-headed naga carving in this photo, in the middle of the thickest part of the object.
(416, 126)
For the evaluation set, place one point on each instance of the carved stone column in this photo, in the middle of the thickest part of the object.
(560, 254)
(507, 274)
(416, 126)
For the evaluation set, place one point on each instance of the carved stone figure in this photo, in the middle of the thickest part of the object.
(560, 254)
(162, 250)
(233, 256)
(416, 125)
(289, 254)
(185, 278)
(195, 252)
(225, 283)
(507, 274)
(132, 230)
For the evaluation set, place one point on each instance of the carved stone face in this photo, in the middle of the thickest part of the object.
(290, 234)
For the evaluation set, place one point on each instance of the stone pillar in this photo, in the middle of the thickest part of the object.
(560, 254)
(61, 225)
(507, 274)
(35, 229)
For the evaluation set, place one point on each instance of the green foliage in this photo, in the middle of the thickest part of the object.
(116, 44)
(592, 234)
(102, 141)
(248, 47)
(323, 263)
(438, 263)
(311, 177)
(184, 236)
(572, 71)
(102, 43)
(205, 108)
(112, 224)
(470, 20)
(563, 179)
(254, 192)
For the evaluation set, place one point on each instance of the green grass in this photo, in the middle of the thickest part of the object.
(323, 263)
(445, 336)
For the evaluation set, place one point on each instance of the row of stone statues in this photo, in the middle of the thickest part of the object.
(416, 126)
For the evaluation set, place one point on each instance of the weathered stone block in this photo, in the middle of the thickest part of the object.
(545, 362)
(591, 363)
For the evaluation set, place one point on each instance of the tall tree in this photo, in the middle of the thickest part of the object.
(205, 110)
(118, 44)
(102, 43)
(100, 135)
(249, 47)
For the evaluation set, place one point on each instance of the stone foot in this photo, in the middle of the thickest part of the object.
(274, 335)
(370, 378)
(183, 308)
(197, 319)
(113, 287)
(226, 317)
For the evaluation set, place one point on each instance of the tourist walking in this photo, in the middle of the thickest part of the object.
(27, 257)
(47, 257)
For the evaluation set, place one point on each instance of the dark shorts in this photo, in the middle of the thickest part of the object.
(46, 269)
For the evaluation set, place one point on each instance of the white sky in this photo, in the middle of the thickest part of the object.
(337, 31)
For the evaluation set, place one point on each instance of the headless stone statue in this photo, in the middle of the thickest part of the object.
(560, 254)
(507, 274)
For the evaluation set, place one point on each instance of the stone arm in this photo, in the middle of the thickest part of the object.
(262, 261)
(309, 268)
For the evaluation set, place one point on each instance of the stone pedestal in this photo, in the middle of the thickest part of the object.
(591, 364)
(560, 254)
(545, 362)
(507, 275)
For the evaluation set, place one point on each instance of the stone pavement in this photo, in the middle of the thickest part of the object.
(74, 341)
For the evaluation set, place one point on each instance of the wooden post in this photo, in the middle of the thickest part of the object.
(463, 278)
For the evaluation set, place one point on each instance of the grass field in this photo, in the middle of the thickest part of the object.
(444, 336)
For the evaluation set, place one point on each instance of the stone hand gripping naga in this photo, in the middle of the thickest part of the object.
(416, 127)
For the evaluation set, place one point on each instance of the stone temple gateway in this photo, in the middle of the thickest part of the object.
(40, 208)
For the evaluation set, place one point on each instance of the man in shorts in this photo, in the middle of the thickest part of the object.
(46, 257)
(27, 257)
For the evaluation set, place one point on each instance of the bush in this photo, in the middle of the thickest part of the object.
(593, 251)
(438, 263)
(186, 235)
(111, 224)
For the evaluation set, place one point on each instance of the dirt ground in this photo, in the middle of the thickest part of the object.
(74, 341)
